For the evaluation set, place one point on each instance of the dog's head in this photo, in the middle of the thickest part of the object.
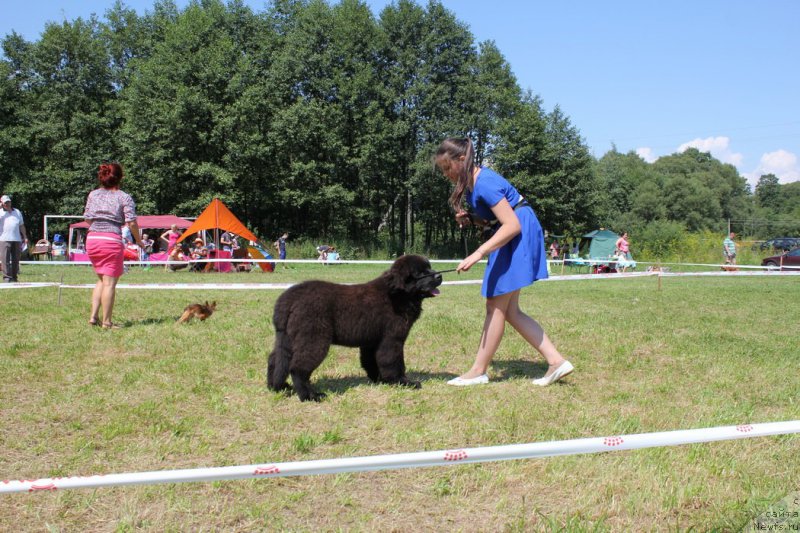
(412, 274)
(212, 306)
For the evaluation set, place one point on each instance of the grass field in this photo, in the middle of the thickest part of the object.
(156, 395)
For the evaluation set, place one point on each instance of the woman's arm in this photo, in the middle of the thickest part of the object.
(134, 227)
(509, 228)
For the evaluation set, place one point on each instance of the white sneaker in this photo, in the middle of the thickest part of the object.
(483, 379)
(563, 369)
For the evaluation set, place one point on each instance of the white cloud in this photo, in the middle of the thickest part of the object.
(781, 163)
(646, 154)
(719, 147)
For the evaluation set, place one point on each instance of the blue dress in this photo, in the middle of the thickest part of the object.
(522, 260)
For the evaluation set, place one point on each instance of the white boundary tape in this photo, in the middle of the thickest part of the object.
(553, 263)
(282, 286)
(27, 285)
(410, 460)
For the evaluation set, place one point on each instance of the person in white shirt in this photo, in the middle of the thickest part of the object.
(12, 237)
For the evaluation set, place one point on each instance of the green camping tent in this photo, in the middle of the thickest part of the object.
(598, 244)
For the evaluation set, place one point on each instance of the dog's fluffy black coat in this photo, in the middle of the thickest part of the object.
(375, 317)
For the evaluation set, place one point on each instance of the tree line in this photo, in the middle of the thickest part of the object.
(321, 119)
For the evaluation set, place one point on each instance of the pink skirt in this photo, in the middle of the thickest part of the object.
(106, 253)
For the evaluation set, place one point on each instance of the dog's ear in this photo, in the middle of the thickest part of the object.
(398, 277)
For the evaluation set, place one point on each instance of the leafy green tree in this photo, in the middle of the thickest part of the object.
(63, 103)
(689, 201)
(493, 97)
(620, 178)
(545, 156)
(311, 118)
(721, 191)
(14, 154)
(647, 202)
(428, 56)
(768, 192)
(173, 110)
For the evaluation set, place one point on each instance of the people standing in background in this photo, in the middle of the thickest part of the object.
(147, 247)
(170, 237)
(280, 245)
(12, 237)
(729, 249)
(554, 249)
(107, 210)
(127, 236)
(623, 246)
(225, 242)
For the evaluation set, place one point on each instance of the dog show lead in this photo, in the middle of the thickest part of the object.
(516, 258)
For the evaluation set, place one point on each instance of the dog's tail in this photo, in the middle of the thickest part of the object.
(281, 356)
(186, 316)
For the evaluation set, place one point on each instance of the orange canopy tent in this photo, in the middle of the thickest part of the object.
(218, 216)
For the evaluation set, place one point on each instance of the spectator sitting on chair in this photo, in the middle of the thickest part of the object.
(178, 253)
(198, 253)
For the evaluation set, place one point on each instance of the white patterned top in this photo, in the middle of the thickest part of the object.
(107, 210)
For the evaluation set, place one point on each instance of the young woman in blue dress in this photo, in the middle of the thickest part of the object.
(516, 258)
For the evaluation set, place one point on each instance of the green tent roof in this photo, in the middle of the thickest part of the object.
(602, 243)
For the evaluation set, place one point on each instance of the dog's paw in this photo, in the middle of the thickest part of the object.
(318, 396)
(285, 388)
(410, 384)
(311, 396)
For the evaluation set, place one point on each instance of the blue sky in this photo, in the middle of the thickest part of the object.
(653, 77)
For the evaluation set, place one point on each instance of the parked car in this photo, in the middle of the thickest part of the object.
(789, 260)
(780, 243)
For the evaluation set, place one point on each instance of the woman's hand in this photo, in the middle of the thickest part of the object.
(470, 260)
(463, 219)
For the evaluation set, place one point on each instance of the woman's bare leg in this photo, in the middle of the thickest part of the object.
(493, 329)
(96, 294)
(108, 295)
(533, 332)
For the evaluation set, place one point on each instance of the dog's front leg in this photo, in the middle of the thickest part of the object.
(369, 363)
(302, 386)
(392, 366)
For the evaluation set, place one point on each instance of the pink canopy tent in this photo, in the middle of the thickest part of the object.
(144, 221)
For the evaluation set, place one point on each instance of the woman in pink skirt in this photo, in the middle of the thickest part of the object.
(108, 209)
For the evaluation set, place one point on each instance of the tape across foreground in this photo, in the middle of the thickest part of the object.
(410, 460)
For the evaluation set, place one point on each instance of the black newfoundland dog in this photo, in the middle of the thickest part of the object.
(376, 317)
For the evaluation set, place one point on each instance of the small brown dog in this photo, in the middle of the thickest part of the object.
(201, 311)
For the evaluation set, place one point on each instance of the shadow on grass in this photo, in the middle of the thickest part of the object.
(341, 385)
(149, 321)
(500, 371)
(516, 368)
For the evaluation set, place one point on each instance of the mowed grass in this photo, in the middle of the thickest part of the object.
(157, 395)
